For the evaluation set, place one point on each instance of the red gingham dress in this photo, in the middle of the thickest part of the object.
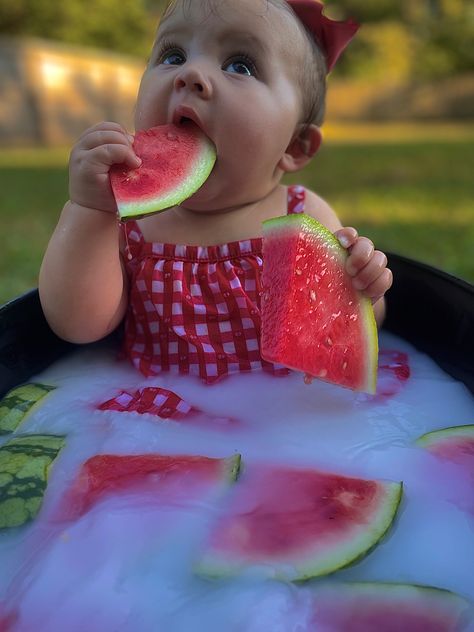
(196, 309)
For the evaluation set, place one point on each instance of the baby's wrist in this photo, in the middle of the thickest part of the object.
(77, 207)
(82, 213)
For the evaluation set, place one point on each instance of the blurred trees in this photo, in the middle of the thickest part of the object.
(120, 25)
(400, 39)
(407, 39)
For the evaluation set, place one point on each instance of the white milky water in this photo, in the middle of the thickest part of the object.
(127, 564)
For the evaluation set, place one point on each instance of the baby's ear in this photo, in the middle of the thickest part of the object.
(302, 148)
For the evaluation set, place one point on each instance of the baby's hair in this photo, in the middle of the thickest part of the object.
(311, 73)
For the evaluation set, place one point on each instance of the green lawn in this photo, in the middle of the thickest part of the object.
(414, 197)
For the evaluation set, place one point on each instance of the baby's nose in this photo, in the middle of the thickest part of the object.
(194, 79)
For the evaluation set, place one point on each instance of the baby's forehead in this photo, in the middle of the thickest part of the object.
(269, 21)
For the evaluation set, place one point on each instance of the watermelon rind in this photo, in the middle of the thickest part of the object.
(300, 222)
(232, 465)
(307, 565)
(19, 402)
(194, 177)
(436, 437)
(25, 462)
(365, 596)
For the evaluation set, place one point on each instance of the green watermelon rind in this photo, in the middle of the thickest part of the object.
(215, 565)
(436, 437)
(369, 324)
(201, 169)
(11, 415)
(232, 465)
(25, 464)
(398, 591)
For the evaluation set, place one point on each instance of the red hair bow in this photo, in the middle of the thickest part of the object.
(332, 36)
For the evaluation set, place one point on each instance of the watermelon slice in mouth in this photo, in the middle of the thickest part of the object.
(295, 524)
(384, 607)
(313, 320)
(176, 161)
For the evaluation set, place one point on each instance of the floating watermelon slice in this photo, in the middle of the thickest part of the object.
(313, 320)
(296, 524)
(18, 403)
(176, 161)
(169, 475)
(24, 468)
(373, 607)
(453, 444)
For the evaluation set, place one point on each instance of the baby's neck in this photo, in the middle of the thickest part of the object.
(182, 225)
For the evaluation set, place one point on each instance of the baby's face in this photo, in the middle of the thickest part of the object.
(232, 71)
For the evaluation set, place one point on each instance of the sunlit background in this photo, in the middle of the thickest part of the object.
(398, 155)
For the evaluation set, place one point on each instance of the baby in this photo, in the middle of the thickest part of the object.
(251, 75)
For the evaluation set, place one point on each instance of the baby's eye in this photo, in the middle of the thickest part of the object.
(170, 54)
(241, 66)
(173, 58)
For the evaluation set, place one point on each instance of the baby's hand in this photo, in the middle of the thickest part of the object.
(367, 266)
(99, 148)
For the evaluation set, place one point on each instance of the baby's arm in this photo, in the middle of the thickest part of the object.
(82, 284)
(367, 266)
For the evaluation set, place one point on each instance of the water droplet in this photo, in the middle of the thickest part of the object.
(172, 136)
(312, 295)
(298, 271)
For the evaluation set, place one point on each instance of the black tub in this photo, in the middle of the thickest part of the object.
(429, 308)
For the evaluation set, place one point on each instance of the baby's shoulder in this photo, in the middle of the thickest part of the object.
(317, 207)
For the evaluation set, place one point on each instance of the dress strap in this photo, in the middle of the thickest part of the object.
(296, 199)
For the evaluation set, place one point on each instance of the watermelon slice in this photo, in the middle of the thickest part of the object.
(374, 607)
(176, 161)
(18, 403)
(313, 320)
(295, 524)
(453, 444)
(24, 469)
(166, 477)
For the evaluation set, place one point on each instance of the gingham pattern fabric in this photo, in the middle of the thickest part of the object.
(152, 400)
(196, 309)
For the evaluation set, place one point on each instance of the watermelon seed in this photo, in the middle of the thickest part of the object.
(312, 295)
(298, 271)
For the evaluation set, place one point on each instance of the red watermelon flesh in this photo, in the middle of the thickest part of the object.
(299, 523)
(167, 477)
(373, 607)
(176, 161)
(454, 444)
(313, 320)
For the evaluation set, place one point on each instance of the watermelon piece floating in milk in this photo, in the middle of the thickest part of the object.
(383, 607)
(454, 444)
(295, 524)
(176, 161)
(166, 477)
(313, 320)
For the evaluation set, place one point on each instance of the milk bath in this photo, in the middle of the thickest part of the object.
(127, 564)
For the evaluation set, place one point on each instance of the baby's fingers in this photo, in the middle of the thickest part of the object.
(347, 236)
(112, 154)
(378, 287)
(360, 255)
(371, 271)
(103, 127)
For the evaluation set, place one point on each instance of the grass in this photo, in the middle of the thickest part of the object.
(412, 193)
